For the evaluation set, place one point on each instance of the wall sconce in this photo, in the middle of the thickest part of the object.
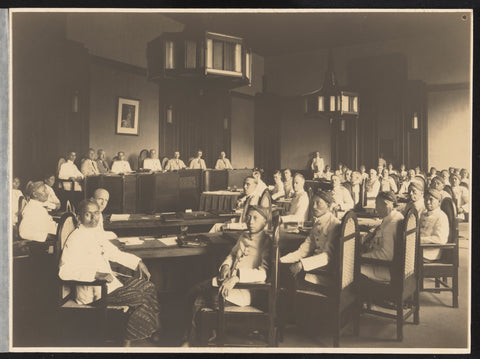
(225, 123)
(415, 121)
(169, 114)
(342, 125)
(75, 102)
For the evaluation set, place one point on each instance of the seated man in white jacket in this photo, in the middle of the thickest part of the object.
(342, 198)
(298, 211)
(36, 223)
(247, 262)
(379, 244)
(433, 224)
(121, 165)
(86, 257)
(317, 249)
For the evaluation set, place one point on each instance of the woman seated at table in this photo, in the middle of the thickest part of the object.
(278, 190)
(247, 262)
(379, 243)
(316, 251)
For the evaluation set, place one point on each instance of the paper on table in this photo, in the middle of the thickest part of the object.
(119, 217)
(168, 241)
(130, 241)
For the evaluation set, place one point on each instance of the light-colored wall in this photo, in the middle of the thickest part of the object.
(242, 139)
(449, 133)
(106, 84)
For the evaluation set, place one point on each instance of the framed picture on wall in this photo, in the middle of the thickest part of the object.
(127, 116)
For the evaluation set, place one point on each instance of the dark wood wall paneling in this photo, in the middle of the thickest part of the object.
(387, 103)
(268, 116)
(198, 123)
(47, 71)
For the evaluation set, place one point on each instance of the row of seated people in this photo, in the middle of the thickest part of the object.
(95, 164)
(453, 183)
(246, 262)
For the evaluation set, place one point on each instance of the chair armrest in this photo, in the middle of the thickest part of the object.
(438, 245)
(97, 282)
(253, 285)
(375, 261)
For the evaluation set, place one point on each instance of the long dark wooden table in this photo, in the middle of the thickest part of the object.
(164, 223)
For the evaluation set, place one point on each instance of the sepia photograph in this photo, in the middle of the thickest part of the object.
(240, 180)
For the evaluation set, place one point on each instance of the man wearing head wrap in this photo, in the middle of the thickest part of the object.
(379, 244)
(247, 262)
(433, 224)
(460, 195)
(438, 183)
(317, 249)
(36, 223)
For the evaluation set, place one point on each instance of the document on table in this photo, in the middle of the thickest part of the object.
(131, 241)
(119, 217)
(168, 241)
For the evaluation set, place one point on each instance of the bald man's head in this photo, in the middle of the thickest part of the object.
(101, 197)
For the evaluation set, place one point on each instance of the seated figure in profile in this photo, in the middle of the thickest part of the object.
(69, 171)
(434, 226)
(152, 163)
(121, 165)
(52, 203)
(461, 195)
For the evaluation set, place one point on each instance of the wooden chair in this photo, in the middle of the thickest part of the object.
(164, 162)
(90, 320)
(249, 316)
(447, 266)
(141, 157)
(337, 304)
(266, 202)
(403, 287)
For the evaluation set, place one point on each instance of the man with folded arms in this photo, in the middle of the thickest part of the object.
(152, 163)
(86, 257)
(121, 165)
(433, 224)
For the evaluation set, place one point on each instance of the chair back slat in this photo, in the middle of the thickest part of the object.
(347, 248)
(67, 224)
(448, 207)
(410, 244)
(141, 157)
